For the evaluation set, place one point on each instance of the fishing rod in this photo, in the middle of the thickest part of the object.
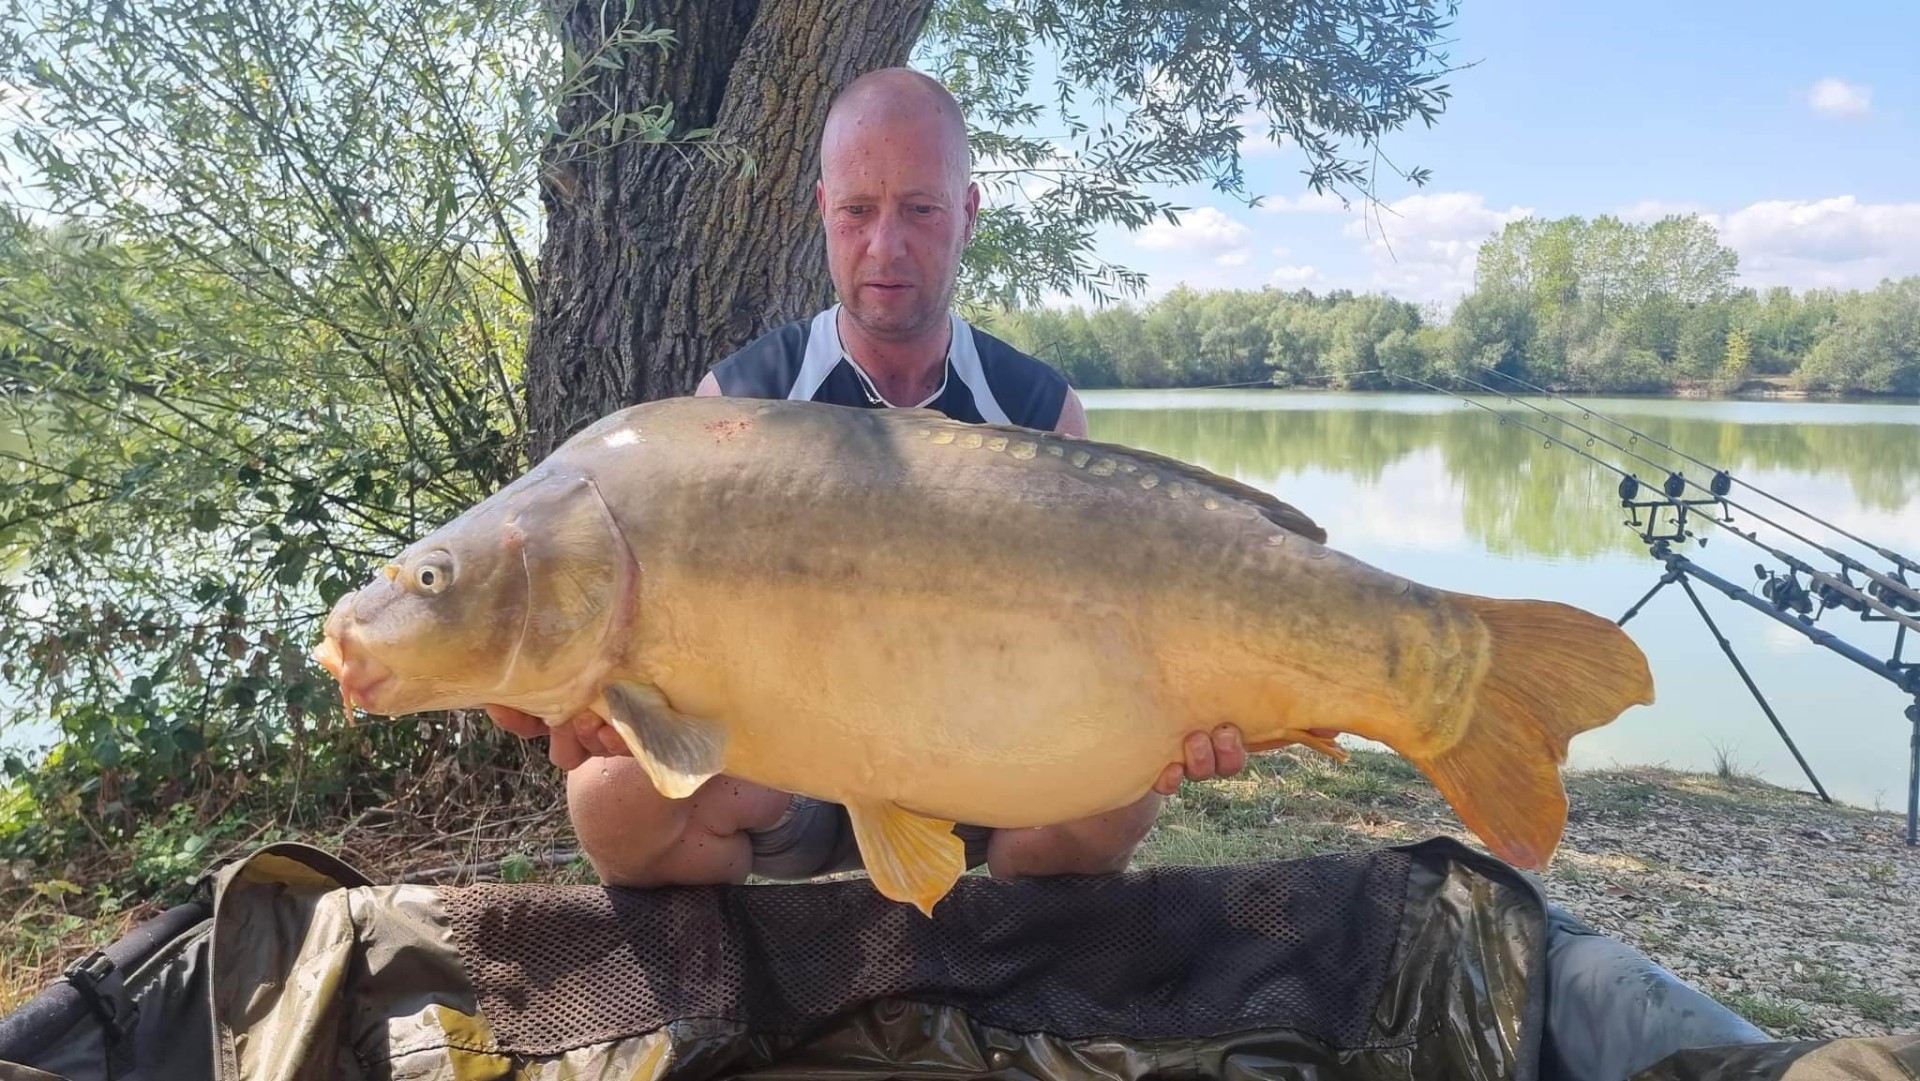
(1833, 592)
(1901, 561)
(1785, 600)
(1892, 600)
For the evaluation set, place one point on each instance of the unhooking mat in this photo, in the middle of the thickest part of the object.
(1424, 961)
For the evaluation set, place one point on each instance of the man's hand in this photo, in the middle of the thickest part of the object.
(586, 736)
(1221, 754)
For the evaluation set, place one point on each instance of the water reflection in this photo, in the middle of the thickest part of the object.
(1517, 494)
(1448, 495)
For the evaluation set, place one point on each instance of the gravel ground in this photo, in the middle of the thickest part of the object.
(1802, 917)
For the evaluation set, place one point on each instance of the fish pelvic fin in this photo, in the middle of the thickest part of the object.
(911, 858)
(1554, 672)
(679, 753)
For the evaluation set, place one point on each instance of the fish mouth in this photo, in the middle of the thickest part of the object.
(361, 678)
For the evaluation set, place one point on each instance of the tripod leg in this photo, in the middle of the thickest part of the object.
(1670, 576)
(1913, 775)
(1727, 648)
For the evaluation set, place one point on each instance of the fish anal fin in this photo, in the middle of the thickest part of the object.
(679, 753)
(1324, 744)
(1554, 672)
(911, 858)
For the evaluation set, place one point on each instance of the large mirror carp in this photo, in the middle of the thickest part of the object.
(930, 621)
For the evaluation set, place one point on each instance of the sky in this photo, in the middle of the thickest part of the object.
(1794, 130)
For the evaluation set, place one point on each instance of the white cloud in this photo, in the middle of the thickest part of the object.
(1837, 98)
(1828, 244)
(1293, 277)
(1834, 243)
(1835, 231)
(1202, 231)
(1425, 247)
(1324, 202)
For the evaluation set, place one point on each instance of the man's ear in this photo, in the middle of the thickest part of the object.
(820, 199)
(973, 210)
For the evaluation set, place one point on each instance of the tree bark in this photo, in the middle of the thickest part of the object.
(657, 262)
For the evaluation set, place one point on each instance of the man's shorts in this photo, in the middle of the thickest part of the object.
(816, 838)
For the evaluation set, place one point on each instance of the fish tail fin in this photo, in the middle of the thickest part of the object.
(1554, 672)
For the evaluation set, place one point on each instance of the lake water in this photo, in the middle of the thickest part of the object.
(1442, 492)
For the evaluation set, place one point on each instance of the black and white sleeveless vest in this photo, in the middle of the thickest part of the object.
(986, 380)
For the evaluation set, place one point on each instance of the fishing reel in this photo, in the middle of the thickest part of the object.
(1894, 598)
(1786, 593)
(1834, 598)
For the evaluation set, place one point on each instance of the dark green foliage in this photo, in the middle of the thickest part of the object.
(277, 334)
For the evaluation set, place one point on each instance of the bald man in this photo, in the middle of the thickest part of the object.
(898, 203)
(897, 199)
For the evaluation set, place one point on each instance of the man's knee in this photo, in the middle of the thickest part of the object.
(634, 836)
(623, 823)
(1102, 844)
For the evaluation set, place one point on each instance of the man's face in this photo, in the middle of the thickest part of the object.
(898, 212)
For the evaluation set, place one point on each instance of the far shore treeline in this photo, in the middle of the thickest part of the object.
(1575, 304)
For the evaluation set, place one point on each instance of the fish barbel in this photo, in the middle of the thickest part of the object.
(930, 621)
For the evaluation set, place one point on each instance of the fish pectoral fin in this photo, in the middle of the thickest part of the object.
(679, 753)
(910, 857)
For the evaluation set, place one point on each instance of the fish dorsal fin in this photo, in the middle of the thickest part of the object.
(922, 413)
(1285, 515)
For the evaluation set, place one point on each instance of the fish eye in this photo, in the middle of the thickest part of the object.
(434, 575)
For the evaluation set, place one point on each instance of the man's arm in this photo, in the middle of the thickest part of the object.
(709, 387)
(1073, 417)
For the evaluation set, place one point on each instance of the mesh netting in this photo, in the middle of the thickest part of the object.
(1169, 952)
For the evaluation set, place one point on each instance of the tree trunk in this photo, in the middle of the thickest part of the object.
(657, 261)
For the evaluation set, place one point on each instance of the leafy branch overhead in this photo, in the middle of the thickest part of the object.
(1152, 94)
